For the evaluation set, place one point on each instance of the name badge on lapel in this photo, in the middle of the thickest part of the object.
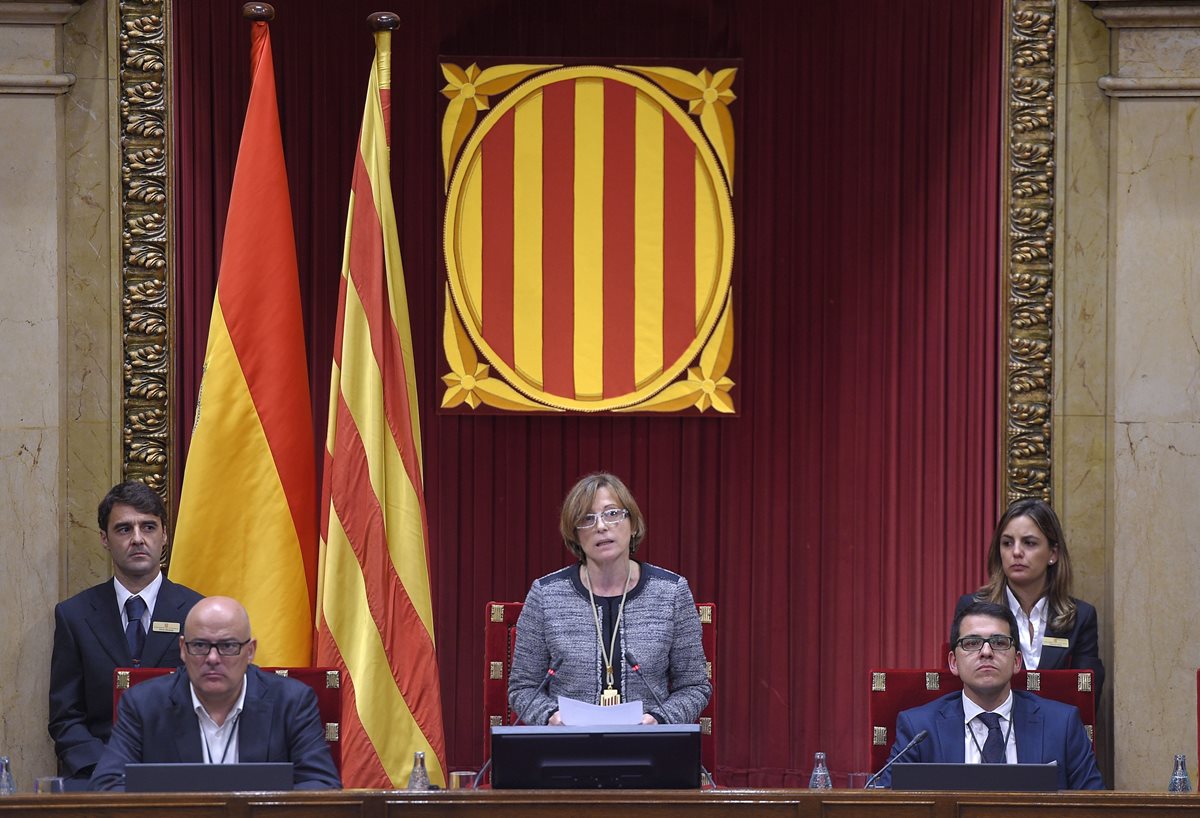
(1050, 642)
(165, 627)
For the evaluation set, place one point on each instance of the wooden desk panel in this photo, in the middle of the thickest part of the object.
(606, 804)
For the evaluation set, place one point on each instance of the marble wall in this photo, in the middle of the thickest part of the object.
(56, 320)
(1151, 271)
(1080, 409)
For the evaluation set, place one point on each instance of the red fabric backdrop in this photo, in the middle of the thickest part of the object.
(837, 518)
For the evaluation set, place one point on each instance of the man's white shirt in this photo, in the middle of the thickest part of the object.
(976, 732)
(220, 742)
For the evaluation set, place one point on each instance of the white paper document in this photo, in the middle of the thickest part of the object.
(581, 714)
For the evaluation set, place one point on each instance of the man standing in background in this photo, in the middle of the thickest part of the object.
(131, 620)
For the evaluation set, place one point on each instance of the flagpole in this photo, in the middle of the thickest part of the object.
(259, 11)
(254, 399)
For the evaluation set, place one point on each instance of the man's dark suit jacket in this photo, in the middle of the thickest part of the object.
(156, 722)
(1044, 730)
(89, 643)
(1083, 651)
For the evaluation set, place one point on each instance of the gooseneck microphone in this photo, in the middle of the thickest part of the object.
(550, 674)
(637, 668)
(917, 739)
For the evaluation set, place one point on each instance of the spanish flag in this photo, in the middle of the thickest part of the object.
(247, 518)
(374, 606)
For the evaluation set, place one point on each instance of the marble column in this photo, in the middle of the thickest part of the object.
(1153, 282)
(35, 156)
(1080, 410)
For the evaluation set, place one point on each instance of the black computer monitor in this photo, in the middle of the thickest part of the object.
(980, 777)
(640, 756)
(189, 777)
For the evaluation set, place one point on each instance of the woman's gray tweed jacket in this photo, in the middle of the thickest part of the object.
(660, 627)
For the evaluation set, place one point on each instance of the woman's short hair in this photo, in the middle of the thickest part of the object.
(578, 502)
(1061, 607)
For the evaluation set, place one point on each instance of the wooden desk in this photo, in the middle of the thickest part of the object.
(608, 804)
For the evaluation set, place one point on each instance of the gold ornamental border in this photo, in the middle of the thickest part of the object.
(148, 440)
(1027, 242)
(146, 283)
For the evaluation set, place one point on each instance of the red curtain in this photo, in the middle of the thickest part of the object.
(835, 521)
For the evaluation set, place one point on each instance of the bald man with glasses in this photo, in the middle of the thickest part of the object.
(988, 722)
(224, 710)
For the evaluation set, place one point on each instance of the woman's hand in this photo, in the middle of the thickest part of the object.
(555, 720)
(649, 719)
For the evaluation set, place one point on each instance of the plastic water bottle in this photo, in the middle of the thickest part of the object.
(7, 785)
(820, 775)
(419, 779)
(1179, 777)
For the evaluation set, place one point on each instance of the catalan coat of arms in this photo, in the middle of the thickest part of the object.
(588, 237)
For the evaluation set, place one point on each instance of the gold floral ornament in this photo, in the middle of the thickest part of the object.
(468, 92)
(470, 381)
(706, 385)
(708, 96)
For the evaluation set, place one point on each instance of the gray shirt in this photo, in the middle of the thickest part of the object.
(660, 628)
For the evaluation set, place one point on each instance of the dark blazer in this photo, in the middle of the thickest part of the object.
(1044, 730)
(156, 722)
(89, 643)
(1083, 650)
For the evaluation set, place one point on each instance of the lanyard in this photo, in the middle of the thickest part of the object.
(237, 720)
(1007, 736)
(607, 698)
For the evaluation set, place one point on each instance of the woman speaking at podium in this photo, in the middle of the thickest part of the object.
(608, 629)
(1029, 572)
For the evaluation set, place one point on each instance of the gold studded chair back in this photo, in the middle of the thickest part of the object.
(326, 682)
(896, 689)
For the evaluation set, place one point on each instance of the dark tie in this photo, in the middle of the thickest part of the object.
(135, 633)
(993, 748)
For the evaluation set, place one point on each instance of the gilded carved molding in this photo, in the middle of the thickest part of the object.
(1027, 241)
(1027, 244)
(145, 257)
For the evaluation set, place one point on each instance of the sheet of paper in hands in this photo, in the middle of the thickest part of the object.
(581, 714)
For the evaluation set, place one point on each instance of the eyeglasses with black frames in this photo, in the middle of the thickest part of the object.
(228, 647)
(974, 644)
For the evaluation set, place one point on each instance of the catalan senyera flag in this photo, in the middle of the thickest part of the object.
(374, 606)
(247, 523)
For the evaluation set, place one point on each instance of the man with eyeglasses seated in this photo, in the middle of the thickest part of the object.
(222, 711)
(989, 722)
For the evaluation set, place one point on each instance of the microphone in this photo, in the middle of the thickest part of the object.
(917, 739)
(636, 668)
(550, 673)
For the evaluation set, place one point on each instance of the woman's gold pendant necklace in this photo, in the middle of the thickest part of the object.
(610, 695)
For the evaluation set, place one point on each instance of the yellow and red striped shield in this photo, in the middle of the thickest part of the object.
(589, 241)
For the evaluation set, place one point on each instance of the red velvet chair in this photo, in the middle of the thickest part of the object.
(500, 635)
(894, 690)
(326, 682)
